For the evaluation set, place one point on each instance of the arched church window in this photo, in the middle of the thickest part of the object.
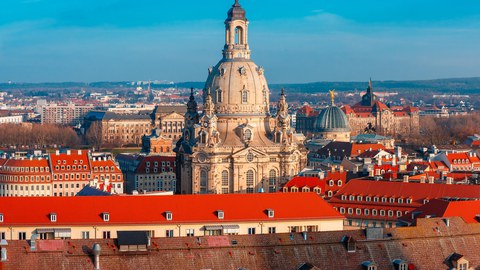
(225, 182)
(203, 137)
(250, 179)
(219, 95)
(272, 181)
(238, 35)
(244, 96)
(203, 181)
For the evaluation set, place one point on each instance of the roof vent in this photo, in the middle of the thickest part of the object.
(220, 214)
(106, 216)
(270, 213)
(168, 215)
(53, 217)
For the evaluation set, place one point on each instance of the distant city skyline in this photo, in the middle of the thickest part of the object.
(296, 42)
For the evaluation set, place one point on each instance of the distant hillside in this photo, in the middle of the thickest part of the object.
(458, 85)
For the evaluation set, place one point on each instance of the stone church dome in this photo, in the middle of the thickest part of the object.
(332, 119)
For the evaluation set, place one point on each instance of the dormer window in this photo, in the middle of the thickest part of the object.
(409, 201)
(368, 265)
(220, 214)
(53, 217)
(344, 197)
(106, 216)
(1, 217)
(270, 213)
(168, 215)
(400, 264)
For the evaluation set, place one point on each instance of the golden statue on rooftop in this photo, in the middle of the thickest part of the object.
(332, 96)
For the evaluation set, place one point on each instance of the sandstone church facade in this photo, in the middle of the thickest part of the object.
(235, 145)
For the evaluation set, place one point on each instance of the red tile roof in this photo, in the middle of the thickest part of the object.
(416, 191)
(305, 181)
(359, 148)
(151, 209)
(77, 158)
(467, 210)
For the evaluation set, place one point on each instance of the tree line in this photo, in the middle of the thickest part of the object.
(37, 135)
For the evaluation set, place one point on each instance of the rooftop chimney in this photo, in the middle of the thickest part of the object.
(405, 178)
(57, 152)
(422, 179)
(79, 152)
(96, 256)
(333, 168)
(371, 173)
(341, 168)
(449, 180)
(431, 180)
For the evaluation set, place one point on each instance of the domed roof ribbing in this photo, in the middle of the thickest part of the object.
(332, 119)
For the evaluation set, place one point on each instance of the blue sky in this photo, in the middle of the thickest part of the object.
(296, 41)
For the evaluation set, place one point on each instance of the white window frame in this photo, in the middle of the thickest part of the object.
(168, 215)
(106, 216)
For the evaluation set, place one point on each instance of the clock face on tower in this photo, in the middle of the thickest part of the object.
(205, 124)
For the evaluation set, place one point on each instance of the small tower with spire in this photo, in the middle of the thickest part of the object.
(369, 98)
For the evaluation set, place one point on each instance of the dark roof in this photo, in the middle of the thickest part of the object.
(91, 191)
(332, 119)
(101, 115)
(132, 238)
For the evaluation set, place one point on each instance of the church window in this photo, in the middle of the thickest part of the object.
(203, 137)
(244, 96)
(225, 181)
(250, 180)
(247, 135)
(219, 95)
(203, 181)
(250, 157)
(272, 180)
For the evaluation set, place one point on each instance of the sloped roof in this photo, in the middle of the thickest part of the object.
(151, 209)
(467, 210)
(416, 191)
(305, 181)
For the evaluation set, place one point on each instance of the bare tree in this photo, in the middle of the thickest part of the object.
(94, 134)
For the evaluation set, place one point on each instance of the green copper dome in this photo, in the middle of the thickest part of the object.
(332, 119)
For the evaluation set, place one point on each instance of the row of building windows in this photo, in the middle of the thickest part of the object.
(360, 198)
(24, 169)
(15, 178)
(68, 167)
(373, 212)
(164, 163)
(65, 162)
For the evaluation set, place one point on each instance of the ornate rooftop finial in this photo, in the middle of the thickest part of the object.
(332, 96)
(192, 104)
(208, 106)
(236, 3)
(370, 83)
(283, 92)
